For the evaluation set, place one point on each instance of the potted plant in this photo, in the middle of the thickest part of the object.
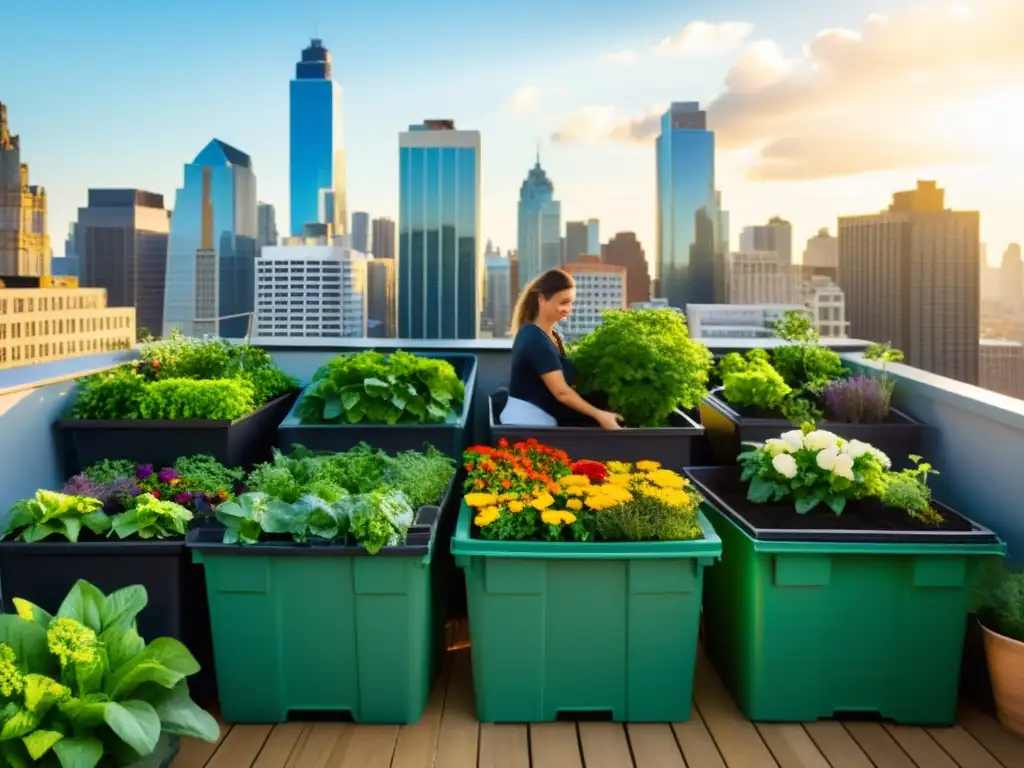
(183, 397)
(832, 563)
(395, 402)
(82, 688)
(999, 605)
(323, 571)
(766, 392)
(643, 365)
(584, 585)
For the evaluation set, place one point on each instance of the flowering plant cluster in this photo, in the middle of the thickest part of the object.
(531, 491)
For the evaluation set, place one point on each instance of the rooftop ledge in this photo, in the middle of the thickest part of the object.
(975, 437)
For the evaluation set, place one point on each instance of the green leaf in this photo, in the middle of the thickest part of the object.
(78, 752)
(38, 743)
(144, 672)
(28, 641)
(21, 723)
(98, 522)
(836, 503)
(332, 408)
(165, 651)
(38, 532)
(805, 504)
(85, 713)
(122, 645)
(42, 692)
(89, 675)
(760, 490)
(398, 401)
(349, 400)
(375, 386)
(84, 604)
(182, 716)
(121, 608)
(32, 612)
(72, 527)
(136, 723)
(15, 754)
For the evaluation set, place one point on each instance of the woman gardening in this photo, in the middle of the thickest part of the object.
(541, 390)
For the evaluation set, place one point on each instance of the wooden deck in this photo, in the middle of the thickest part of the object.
(717, 736)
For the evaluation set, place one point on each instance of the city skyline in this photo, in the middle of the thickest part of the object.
(603, 172)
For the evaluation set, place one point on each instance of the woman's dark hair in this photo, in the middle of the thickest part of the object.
(547, 285)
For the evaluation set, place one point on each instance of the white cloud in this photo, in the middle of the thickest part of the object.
(705, 38)
(524, 100)
(625, 57)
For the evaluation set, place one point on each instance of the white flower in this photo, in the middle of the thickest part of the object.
(857, 448)
(785, 465)
(775, 446)
(882, 458)
(794, 439)
(843, 466)
(819, 439)
(826, 457)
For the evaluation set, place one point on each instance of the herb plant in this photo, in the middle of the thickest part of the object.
(373, 388)
(857, 400)
(81, 688)
(908, 490)
(999, 600)
(645, 362)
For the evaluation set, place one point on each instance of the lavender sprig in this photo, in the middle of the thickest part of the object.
(858, 400)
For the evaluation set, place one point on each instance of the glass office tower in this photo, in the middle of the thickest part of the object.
(440, 266)
(540, 226)
(688, 241)
(211, 251)
(317, 155)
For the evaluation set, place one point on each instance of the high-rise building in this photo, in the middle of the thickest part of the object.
(211, 251)
(624, 250)
(498, 299)
(736, 321)
(1011, 278)
(1001, 366)
(593, 237)
(821, 256)
(381, 301)
(576, 241)
(440, 265)
(687, 216)
(776, 236)
(540, 226)
(317, 154)
(382, 244)
(361, 232)
(911, 278)
(24, 237)
(827, 304)
(267, 224)
(121, 238)
(599, 287)
(761, 277)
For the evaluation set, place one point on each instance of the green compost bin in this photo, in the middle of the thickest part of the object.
(605, 630)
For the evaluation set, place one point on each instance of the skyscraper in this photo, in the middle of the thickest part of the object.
(577, 241)
(381, 306)
(317, 167)
(267, 216)
(24, 238)
(211, 252)
(687, 215)
(624, 250)
(593, 237)
(540, 226)
(383, 238)
(776, 236)
(440, 269)
(121, 238)
(361, 231)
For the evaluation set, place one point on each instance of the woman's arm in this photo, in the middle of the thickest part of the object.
(566, 395)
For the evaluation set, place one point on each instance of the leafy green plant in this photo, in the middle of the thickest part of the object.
(213, 399)
(81, 688)
(803, 362)
(908, 490)
(645, 362)
(752, 381)
(379, 518)
(152, 518)
(49, 513)
(999, 600)
(373, 388)
(203, 474)
(113, 394)
(108, 470)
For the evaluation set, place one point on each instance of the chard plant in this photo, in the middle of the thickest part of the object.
(81, 688)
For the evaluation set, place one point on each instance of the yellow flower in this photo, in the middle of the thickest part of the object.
(71, 642)
(577, 490)
(572, 480)
(476, 500)
(557, 517)
(574, 504)
(621, 479)
(542, 501)
(666, 478)
(618, 467)
(11, 681)
(515, 506)
(648, 466)
(486, 516)
(599, 501)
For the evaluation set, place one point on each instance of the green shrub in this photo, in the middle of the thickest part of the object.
(213, 399)
(999, 600)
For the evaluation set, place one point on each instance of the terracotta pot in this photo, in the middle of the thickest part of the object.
(1006, 669)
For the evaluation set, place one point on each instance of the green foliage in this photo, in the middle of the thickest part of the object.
(152, 518)
(795, 326)
(908, 490)
(213, 399)
(645, 362)
(646, 518)
(373, 388)
(202, 473)
(113, 394)
(752, 381)
(81, 688)
(109, 470)
(999, 600)
(54, 514)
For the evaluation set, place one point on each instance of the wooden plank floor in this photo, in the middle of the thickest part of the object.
(717, 736)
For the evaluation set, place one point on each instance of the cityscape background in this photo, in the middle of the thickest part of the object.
(856, 161)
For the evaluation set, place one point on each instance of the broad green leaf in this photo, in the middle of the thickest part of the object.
(122, 607)
(375, 386)
(43, 692)
(836, 503)
(72, 527)
(349, 400)
(32, 612)
(122, 644)
(89, 675)
(28, 641)
(759, 491)
(37, 532)
(136, 723)
(144, 672)
(165, 651)
(38, 743)
(332, 408)
(78, 753)
(805, 504)
(84, 604)
(85, 713)
(97, 522)
(20, 724)
(15, 755)
(182, 716)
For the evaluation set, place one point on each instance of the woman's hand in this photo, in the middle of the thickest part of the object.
(608, 420)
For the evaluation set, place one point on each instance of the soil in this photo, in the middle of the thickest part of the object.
(863, 515)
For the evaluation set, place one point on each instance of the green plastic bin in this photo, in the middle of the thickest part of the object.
(595, 629)
(802, 630)
(299, 630)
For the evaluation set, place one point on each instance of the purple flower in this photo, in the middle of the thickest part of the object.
(143, 471)
(167, 474)
(858, 400)
(184, 498)
(80, 485)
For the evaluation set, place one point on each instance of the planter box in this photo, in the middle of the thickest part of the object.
(240, 443)
(322, 628)
(727, 427)
(811, 623)
(672, 446)
(449, 438)
(572, 628)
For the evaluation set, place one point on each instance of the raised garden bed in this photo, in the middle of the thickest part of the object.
(816, 615)
(672, 446)
(449, 437)
(727, 427)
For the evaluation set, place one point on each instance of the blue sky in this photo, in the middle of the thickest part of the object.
(117, 93)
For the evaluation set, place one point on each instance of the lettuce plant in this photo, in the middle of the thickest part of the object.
(81, 688)
(152, 518)
(49, 513)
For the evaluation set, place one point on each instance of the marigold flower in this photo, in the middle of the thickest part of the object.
(542, 501)
(557, 517)
(648, 466)
(516, 506)
(666, 478)
(574, 504)
(571, 480)
(486, 516)
(71, 642)
(477, 500)
(619, 479)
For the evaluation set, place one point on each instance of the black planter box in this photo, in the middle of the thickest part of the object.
(240, 443)
(672, 446)
(449, 438)
(43, 572)
(727, 427)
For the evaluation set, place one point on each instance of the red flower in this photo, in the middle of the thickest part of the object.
(595, 470)
(503, 443)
